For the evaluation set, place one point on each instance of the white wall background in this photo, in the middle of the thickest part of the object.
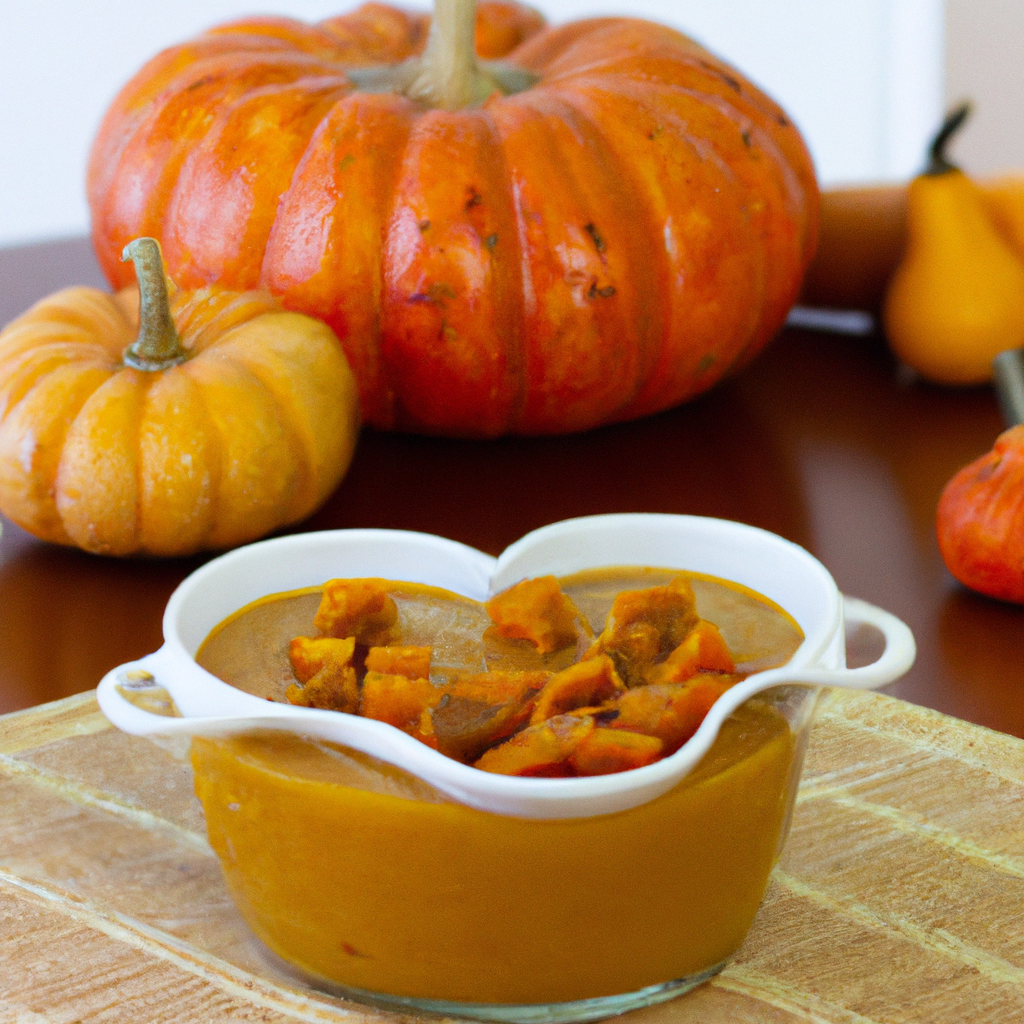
(862, 78)
(984, 45)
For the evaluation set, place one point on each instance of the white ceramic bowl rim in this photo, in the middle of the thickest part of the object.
(763, 561)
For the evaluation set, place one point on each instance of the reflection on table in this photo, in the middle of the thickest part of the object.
(823, 439)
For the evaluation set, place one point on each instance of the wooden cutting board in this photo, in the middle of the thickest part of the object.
(899, 896)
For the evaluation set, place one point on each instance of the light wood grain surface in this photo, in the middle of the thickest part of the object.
(898, 897)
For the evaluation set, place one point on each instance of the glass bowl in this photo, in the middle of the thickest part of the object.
(532, 900)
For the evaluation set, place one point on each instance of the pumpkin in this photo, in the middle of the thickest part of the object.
(980, 520)
(225, 418)
(597, 228)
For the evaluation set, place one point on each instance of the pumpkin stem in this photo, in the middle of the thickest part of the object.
(938, 162)
(447, 75)
(157, 346)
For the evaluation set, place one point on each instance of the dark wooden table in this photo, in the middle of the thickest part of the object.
(823, 440)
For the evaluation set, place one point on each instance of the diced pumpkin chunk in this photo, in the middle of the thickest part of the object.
(412, 662)
(499, 687)
(540, 750)
(614, 750)
(324, 665)
(585, 684)
(397, 699)
(358, 608)
(480, 710)
(644, 626)
(670, 711)
(538, 611)
(309, 655)
(704, 649)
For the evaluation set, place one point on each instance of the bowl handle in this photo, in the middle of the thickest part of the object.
(898, 656)
(900, 648)
(142, 676)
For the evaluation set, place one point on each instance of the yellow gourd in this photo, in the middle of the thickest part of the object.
(956, 299)
(1004, 201)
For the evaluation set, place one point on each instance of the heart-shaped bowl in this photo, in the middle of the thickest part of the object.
(381, 869)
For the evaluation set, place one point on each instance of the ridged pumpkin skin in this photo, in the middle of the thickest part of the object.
(253, 431)
(980, 520)
(600, 246)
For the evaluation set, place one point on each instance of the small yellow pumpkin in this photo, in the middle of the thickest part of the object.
(165, 422)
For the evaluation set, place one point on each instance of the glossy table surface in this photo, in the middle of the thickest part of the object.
(823, 439)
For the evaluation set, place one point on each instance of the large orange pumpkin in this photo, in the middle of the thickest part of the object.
(599, 229)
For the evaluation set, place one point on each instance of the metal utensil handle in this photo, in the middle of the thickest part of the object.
(1008, 370)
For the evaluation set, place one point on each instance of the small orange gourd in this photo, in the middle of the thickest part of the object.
(223, 419)
(980, 520)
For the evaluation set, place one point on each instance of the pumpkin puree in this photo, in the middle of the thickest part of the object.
(359, 874)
